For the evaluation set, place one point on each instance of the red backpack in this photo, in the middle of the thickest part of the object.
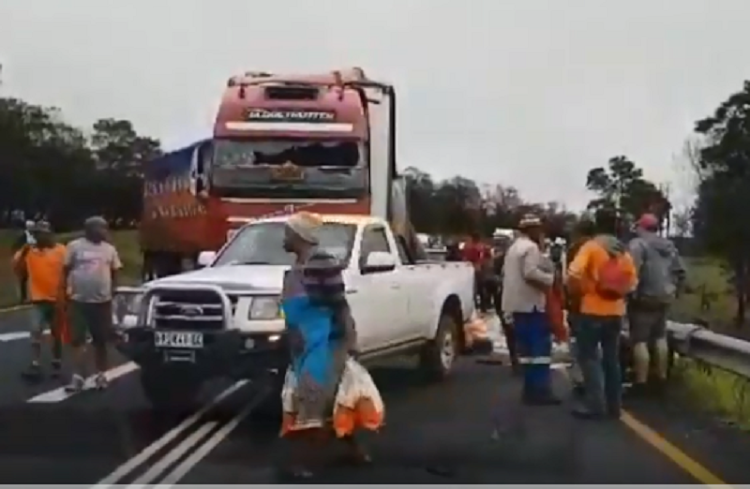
(613, 282)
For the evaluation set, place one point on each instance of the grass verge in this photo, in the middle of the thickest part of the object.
(722, 394)
(126, 243)
(707, 388)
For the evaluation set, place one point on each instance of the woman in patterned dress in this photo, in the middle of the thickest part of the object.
(322, 338)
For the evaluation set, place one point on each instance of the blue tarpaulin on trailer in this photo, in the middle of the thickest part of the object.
(173, 163)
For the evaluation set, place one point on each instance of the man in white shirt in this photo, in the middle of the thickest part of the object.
(527, 276)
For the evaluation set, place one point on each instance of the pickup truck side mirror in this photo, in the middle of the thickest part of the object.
(379, 261)
(205, 258)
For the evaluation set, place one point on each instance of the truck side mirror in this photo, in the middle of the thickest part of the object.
(205, 258)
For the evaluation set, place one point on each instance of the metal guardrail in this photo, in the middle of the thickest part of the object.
(720, 351)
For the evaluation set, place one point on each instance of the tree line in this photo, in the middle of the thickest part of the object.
(50, 168)
(458, 206)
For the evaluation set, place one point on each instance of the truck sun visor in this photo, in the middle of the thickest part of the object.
(292, 93)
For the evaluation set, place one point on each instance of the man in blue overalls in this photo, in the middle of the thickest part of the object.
(528, 274)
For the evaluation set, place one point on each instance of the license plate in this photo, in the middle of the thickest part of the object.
(178, 339)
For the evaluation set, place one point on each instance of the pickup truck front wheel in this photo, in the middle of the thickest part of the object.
(168, 390)
(439, 354)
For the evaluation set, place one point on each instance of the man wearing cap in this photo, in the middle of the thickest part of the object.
(660, 274)
(91, 265)
(527, 276)
(42, 264)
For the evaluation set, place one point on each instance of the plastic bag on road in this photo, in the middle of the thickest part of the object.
(358, 404)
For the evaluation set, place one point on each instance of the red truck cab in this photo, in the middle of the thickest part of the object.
(281, 143)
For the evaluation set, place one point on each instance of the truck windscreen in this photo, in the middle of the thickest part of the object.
(288, 169)
(262, 244)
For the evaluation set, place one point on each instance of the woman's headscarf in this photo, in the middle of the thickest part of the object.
(305, 225)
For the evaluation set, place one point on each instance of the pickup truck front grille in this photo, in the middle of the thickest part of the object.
(189, 310)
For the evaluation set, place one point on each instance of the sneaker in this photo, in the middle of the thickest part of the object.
(77, 384)
(100, 382)
(33, 372)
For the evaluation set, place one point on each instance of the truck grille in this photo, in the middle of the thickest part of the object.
(189, 310)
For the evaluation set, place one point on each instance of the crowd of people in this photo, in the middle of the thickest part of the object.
(603, 282)
(606, 282)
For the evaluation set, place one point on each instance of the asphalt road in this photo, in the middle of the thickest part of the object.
(435, 433)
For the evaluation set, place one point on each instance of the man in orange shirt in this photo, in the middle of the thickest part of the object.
(42, 263)
(602, 274)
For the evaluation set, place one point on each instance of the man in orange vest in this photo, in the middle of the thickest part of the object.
(42, 263)
(602, 275)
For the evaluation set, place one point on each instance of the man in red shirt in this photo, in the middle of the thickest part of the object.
(479, 255)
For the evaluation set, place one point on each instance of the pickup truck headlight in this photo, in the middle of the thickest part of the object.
(125, 303)
(264, 308)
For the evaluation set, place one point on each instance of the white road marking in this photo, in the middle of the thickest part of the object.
(16, 335)
(170, 458)
(59, 394)
(181, 470)
(130, 465)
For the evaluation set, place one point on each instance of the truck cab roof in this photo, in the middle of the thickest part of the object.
(294, 95)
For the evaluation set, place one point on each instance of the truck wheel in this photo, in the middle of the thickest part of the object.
(169, 391)
(438, 356)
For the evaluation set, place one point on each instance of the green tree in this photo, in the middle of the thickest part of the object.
(622, 186)
(43, 159)
(117, 146)
(420, 199)
(48, 166)
(720, 217)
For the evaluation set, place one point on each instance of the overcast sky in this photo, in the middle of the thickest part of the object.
(530, 93)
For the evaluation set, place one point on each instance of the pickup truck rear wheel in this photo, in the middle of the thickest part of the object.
(439, 354)
(169, 391)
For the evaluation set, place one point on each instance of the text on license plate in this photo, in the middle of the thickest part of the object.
(178, 339)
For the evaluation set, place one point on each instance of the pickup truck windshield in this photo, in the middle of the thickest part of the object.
(261, 244)
(288, 168)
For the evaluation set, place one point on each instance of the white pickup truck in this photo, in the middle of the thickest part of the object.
(224, 320)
